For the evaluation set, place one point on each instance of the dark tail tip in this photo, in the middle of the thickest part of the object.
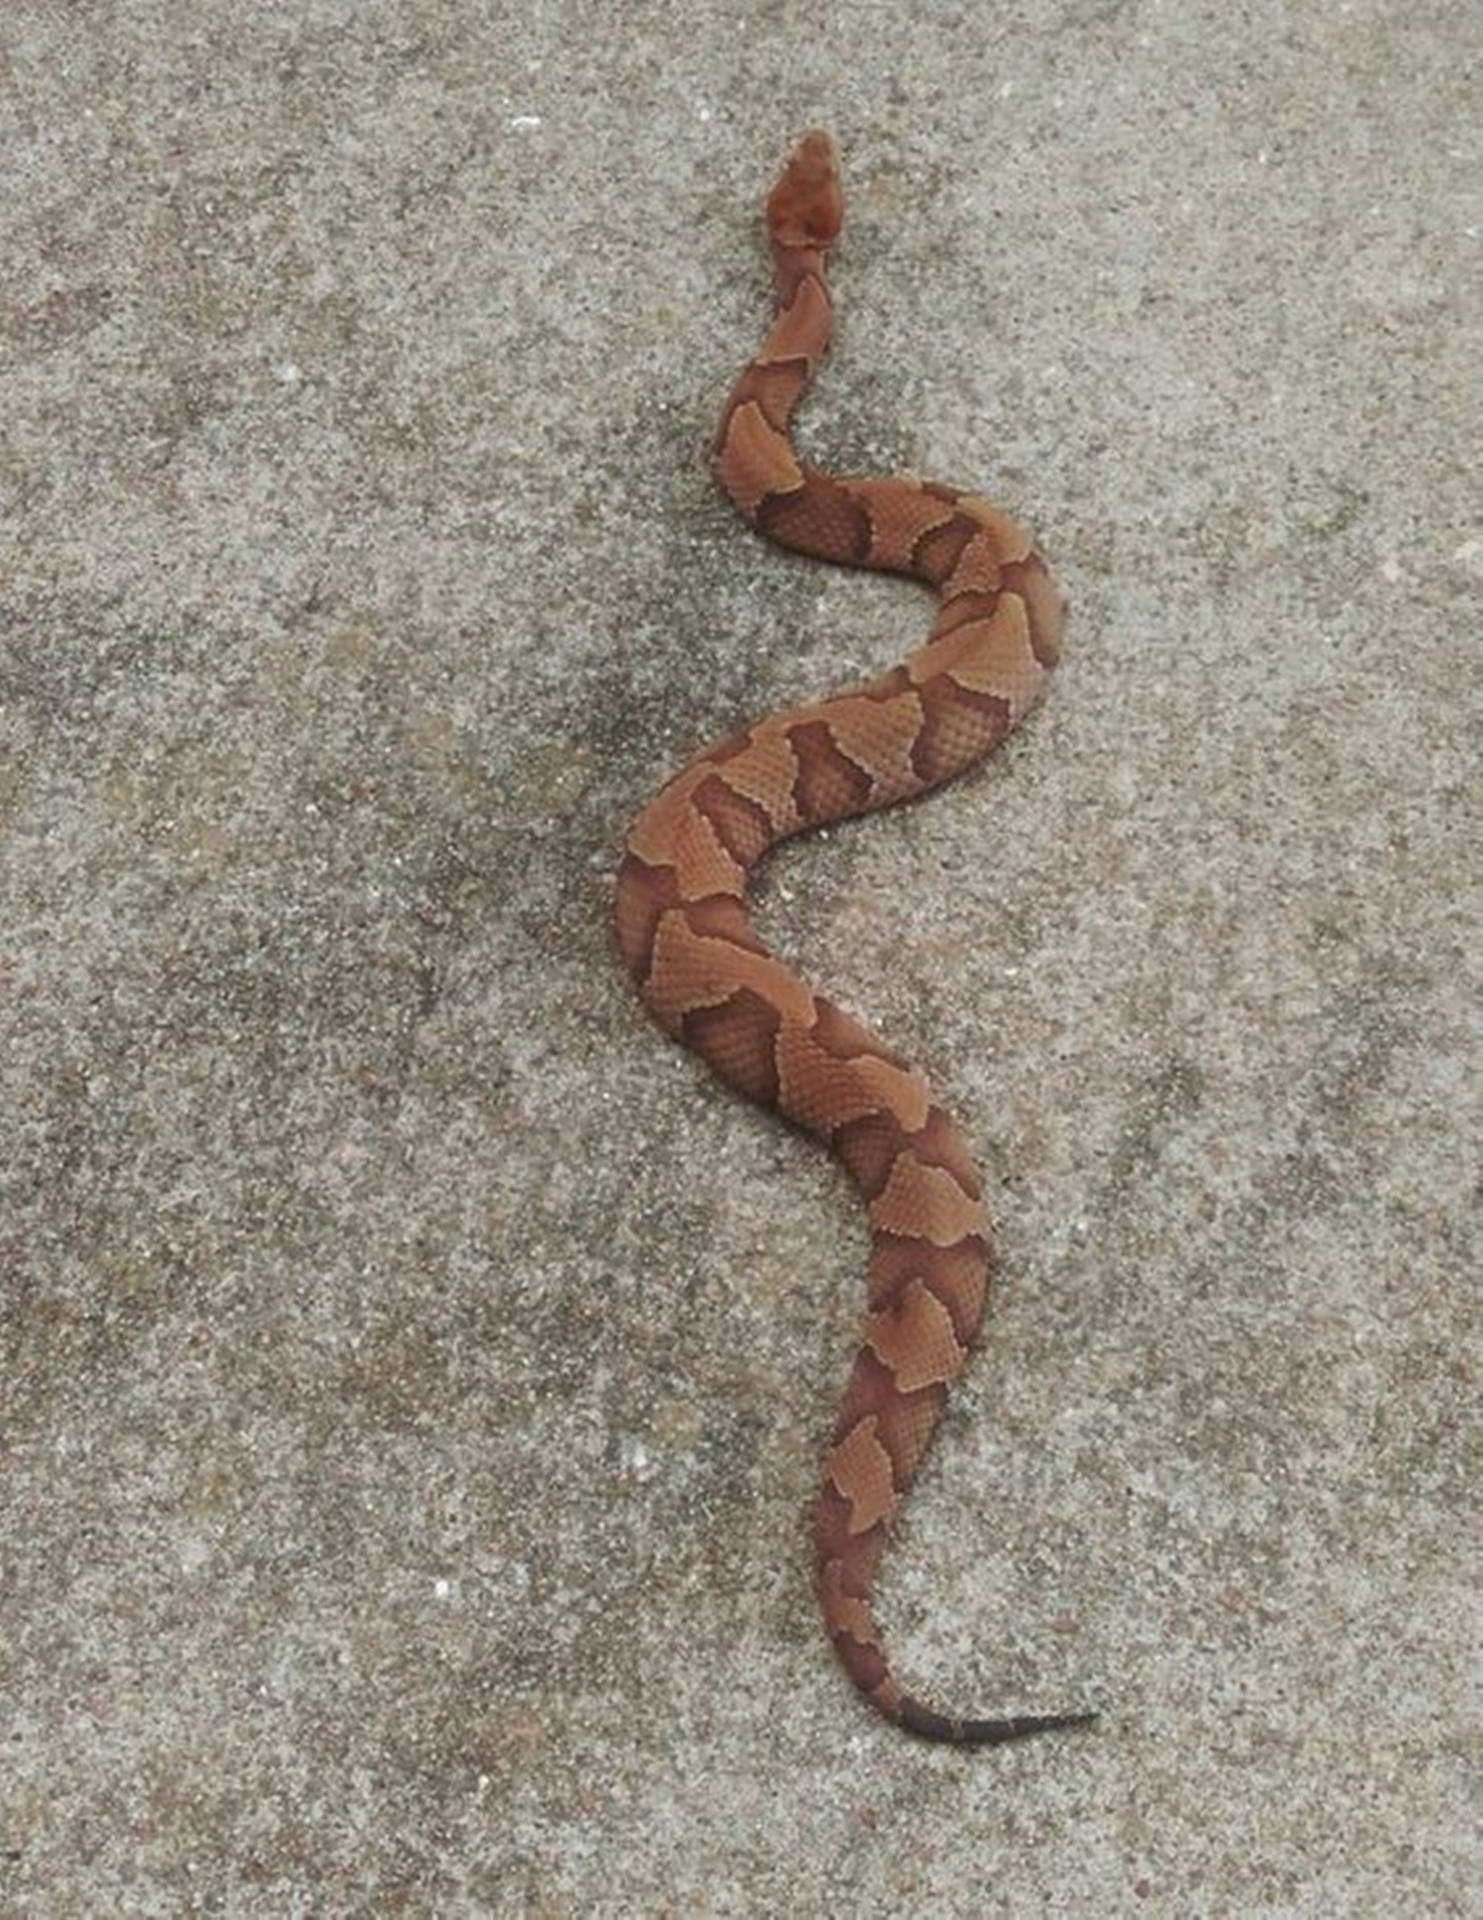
(913, 1717)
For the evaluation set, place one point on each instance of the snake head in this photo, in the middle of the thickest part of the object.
(804, 209)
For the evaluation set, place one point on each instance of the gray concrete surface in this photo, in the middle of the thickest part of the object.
(414, 1371)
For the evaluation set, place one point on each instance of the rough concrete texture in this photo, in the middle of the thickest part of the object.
(415, 1371)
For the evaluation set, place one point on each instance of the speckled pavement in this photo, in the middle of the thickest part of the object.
(415, 1371)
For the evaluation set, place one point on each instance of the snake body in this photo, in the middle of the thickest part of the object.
(685, 935)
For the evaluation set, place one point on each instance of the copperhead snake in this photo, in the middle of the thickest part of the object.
(685, 936)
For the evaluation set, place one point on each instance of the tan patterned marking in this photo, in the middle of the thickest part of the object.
(877, 735)
(1003, 662)
(958, 727)
(860, 1468)
(914, 1337)
(991, 655)
(821, 1091)
(966, 607)
(755, 460)
(844, 1612)
(905, 1095)
(899, 517)
(857, 1553)
(904, 1420)
(926, 1203)
(830, 786)
(1010, 539)
(702, 864)
(939, 1143)
(774, 389)
(765, 770)
(652, 835)
(978, 568)
(724, 917)
(939, 551)
(1043, 604)
(802, 328)
(691, 970)
(822, 518)
(845, 1037)
(958, 1275)
(742, 827)
(645, 895)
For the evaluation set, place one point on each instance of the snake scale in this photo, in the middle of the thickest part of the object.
(686, 938)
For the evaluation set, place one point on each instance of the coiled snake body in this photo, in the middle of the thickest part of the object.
(703, 972)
